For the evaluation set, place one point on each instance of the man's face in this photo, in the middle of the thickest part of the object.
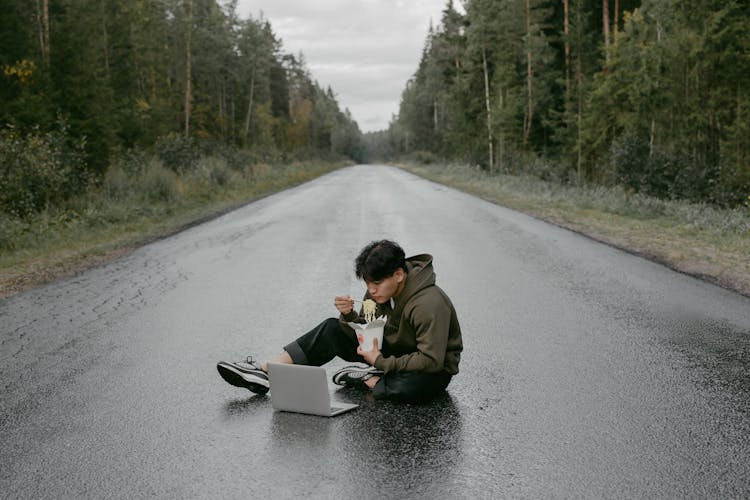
(382, 291)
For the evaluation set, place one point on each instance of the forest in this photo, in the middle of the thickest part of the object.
(652, 96)
(88, 84)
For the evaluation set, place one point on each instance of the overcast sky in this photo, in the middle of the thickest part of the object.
(365, 50)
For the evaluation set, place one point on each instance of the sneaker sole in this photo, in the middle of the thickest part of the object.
(237, 380)
(336, 379)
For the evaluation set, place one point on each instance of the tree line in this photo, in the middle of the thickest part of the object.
(84, 81)
(652, 95)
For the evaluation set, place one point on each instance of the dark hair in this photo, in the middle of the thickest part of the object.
(378, 260)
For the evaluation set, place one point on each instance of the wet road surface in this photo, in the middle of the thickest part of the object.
(587, 372)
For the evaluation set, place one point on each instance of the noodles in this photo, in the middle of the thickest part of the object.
(368, 309)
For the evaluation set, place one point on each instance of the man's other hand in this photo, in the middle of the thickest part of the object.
(371, 355)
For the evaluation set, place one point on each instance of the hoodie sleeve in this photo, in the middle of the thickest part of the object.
(431, 322)
(351, 317)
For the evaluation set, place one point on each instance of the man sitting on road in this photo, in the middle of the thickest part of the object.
(421, 341)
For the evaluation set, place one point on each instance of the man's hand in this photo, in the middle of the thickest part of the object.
(344, 304)
(371, 355)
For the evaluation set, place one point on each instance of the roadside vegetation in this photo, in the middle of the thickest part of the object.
(695, 238)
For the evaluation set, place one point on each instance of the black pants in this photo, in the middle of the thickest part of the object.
(328, 340)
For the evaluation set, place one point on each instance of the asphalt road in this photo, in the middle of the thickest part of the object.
(587, 372)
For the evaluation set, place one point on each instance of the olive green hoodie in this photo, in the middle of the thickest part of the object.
(422, 332)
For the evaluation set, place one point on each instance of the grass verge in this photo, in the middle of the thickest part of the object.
(696, 239)
(128, 211)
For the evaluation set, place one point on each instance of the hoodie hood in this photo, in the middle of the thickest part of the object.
(419, 275)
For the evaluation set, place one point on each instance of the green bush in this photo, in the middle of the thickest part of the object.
(177, 152)
(241, 159)
(10, 229)
(117, 183)
(423, 157)
(544, 169)
(674, 172)
(217, 170)
(733, 188)
(159, 184)
(629, 157)
(39, 169)
(132, 162)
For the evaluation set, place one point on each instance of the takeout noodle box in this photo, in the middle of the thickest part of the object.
(368, 331)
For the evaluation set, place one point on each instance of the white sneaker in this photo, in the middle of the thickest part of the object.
(244, 374)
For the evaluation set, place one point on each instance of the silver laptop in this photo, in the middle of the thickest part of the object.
(303, 389)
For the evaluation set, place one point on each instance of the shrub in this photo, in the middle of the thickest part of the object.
(241, 159)
(423, 157)
(132, 162)
(117, 183)
(236, 159)
(672, 172)
(159, 184)
(219, 173)
(544, 169)
(10, 229)
(733, 188)
(39, 169)
(213, 170)
(177, 152)
(629, 157)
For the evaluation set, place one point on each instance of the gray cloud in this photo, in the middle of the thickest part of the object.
(365, 50)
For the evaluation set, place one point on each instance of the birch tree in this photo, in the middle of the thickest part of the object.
(605, 30)
(42, 19)
(188, 60)
(482, 41)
